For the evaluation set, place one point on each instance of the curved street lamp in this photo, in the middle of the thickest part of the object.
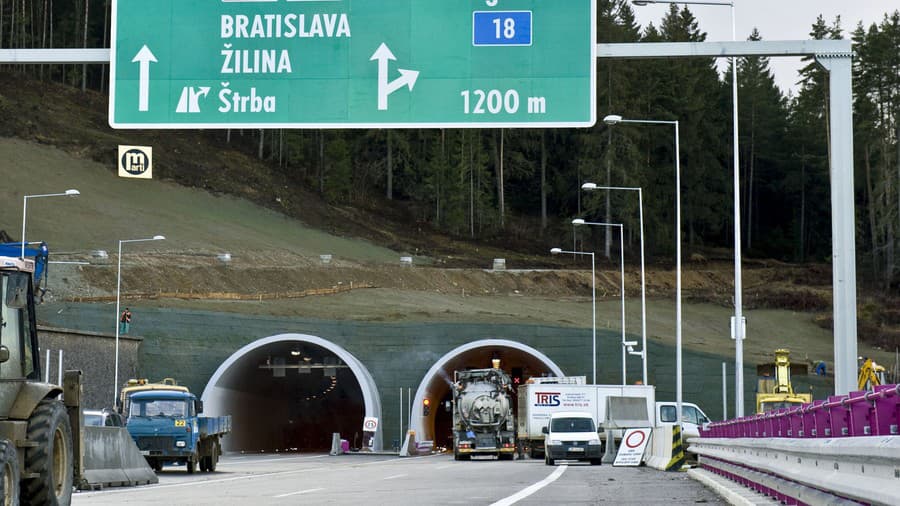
(643, 352)
(118, 298)
(621, 227)
(68, 193)
(557, 251)
(737, 324)
(615, 119)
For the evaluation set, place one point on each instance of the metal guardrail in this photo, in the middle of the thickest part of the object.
(843, 450)
(808, 471)
(865, 413)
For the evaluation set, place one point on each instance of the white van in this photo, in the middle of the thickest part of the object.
(572, 435)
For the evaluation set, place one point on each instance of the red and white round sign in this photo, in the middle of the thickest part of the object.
(635, 438)
(370, 424)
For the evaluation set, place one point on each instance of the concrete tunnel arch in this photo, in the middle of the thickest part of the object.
(424, 428)
(215, 395)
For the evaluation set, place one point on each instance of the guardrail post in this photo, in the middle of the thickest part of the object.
(796, 421)
(840, 416)
(886, 410)
(780, 419)
(822, 419)
(860, 411)
(895, 422)
(809, 419)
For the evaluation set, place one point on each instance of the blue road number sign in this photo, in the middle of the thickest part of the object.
(497, 28)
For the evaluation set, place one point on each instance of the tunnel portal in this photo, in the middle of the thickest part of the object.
(518, 360)
(290, 393)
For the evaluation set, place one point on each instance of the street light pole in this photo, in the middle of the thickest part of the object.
(118, 299)
(738, 323)
(67, 193)
(557, 251)
(579, 221)
(614, 119)
(592, 186)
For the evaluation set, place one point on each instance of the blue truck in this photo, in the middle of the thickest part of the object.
(37, 251)
(166, 424)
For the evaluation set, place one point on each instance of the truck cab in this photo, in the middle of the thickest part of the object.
(692, 417)
(167, 426)
(164, 426)
(572, 435)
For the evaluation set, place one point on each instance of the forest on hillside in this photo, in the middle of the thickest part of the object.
(484, 183)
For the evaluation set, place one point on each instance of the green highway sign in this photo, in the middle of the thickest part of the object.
(352, 64)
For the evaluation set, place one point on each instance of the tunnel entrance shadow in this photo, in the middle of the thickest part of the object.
(290, 392)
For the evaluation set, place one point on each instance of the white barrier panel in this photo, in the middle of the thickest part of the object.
(861, 468)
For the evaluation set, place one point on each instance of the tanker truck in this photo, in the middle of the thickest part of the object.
(483, 422)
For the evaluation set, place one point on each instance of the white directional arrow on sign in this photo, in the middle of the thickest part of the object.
(385, 87)
(144, 57)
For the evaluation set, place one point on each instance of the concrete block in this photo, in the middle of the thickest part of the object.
(111, 459)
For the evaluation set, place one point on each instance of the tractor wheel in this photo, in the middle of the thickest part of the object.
(191, 465)
(9, 474)
(51, 460)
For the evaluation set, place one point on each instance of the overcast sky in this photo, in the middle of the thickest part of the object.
(777, 20)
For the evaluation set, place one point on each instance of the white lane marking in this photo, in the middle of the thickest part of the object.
(444, 467)
(395, 476)
(525, 492)
(307, 491)
(151, 488)
(263, 461)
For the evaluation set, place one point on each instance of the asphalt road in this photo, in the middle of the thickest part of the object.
(438, 479)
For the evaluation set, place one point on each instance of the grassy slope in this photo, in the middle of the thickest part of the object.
(112, 208)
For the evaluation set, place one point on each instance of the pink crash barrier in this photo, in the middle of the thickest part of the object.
(865, 413)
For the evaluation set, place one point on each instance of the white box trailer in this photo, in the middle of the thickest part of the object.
(537, 400)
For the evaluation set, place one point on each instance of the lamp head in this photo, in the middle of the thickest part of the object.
(159, 238)
(578, 221)
(72, 192)
(612, 119)
(556, 251)
(589, 186)
(641, 3)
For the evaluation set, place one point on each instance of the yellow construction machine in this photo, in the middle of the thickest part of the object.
(870, 375)
(773, 387)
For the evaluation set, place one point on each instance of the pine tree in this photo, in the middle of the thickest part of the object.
(877, 142)
(763, 125)
(809, 150)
